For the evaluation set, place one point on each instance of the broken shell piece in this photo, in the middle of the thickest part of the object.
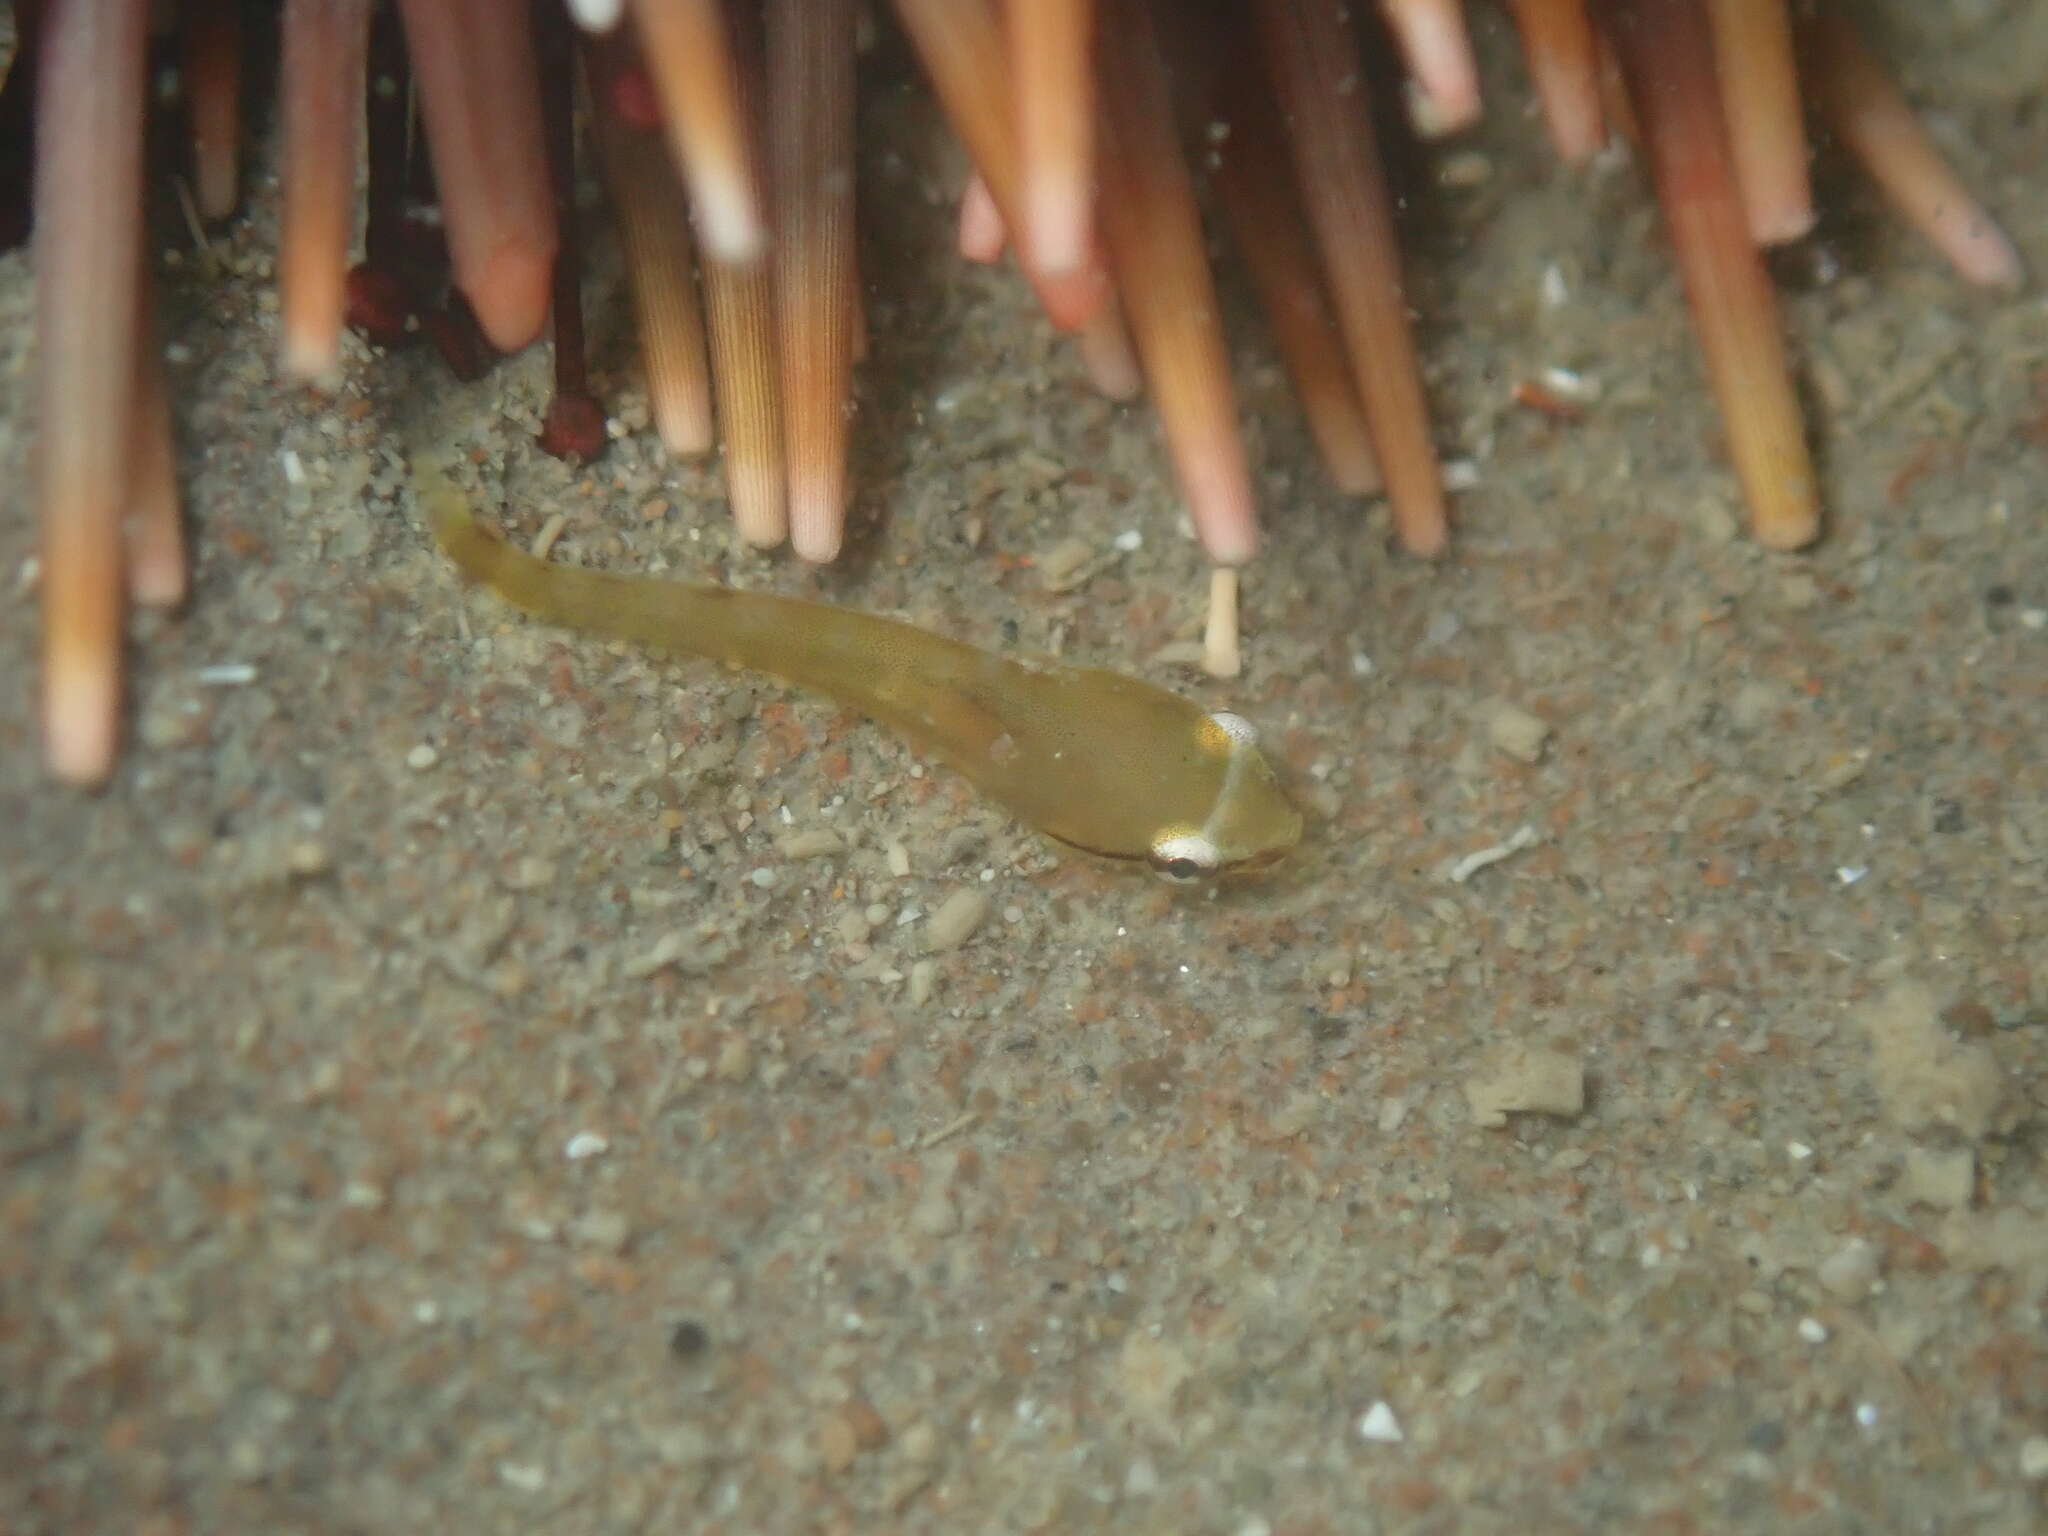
(1526, 1079)
(1515, 732)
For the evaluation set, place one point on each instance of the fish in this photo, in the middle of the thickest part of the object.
(1109, 764)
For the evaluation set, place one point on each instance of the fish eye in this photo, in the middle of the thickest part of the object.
(1223, 734)
(1184, 857)
(1238, 730)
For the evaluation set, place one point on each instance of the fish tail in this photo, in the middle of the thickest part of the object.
(663, 614)
(523, 580)
(477, 554)
(832, 650)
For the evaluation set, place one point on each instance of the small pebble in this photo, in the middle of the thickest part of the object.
(1066, 565)
(607, 1231)
(735, 1060)
(1945, 1178)
(935, 1215)
(923, 981)
(1753, 706)
(1813, 1330)
(814, 843)
(530, 874)
(1930, 1081)
(2034, 1458)
(1798, 591)
(920, 1442)
(1150, 1373)
(1844, 768)
(1584, 388)
(172, 722)
(853, 926)
(1379, 1425)
(962, 844)
(1716, 521)
(1464, 168)
(672, 948)
(955, 919)
(870, 1429)
(584, 1145)
(421, 758)
(1850, 1271)
(837, 1443)
(899, 860)
(523, 1476)
(1296, 1115)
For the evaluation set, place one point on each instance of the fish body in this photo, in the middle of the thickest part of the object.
(1098, 760)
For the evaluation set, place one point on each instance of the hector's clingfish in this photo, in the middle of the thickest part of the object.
(1095, 759)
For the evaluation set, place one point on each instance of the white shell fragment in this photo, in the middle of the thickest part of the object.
(1379, 1425)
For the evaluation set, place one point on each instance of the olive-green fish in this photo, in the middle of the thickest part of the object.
(1100, 761)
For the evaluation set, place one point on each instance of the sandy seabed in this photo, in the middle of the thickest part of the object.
(462, 1076)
